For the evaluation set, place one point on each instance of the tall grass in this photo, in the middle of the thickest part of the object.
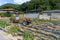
(42, 20)
(3, 24)
(14, 29)
(27, 36)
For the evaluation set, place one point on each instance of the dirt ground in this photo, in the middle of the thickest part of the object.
(38, 30)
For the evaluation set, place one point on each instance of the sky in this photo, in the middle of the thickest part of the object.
(12, 1)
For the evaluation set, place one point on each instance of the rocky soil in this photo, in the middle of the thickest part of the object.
(42, 31)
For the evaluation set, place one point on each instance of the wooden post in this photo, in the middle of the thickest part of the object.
(50, 16)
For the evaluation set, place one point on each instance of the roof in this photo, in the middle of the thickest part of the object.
(32, 11)
(7, 9)
(51, 11)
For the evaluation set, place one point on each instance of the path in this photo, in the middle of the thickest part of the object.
(3, 36)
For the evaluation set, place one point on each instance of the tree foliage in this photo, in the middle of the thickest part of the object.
(35, 4)
(9, 5)
(8, 14)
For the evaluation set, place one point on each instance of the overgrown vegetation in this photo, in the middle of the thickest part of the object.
(2, 14)
(3, 24)
(8, 14)
(42, 20)
(31, 5)
(14, 29)
(27, 36)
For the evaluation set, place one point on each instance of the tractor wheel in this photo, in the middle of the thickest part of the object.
(24, 23)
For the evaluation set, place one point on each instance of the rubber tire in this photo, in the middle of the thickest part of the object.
(24, 23)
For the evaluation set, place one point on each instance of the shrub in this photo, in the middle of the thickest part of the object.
(1, 14)
(8, 14)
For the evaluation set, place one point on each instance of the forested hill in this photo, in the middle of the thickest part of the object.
(35, 4)
(9, 5)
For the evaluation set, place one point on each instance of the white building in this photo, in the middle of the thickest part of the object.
(52, 14)
(7, 9)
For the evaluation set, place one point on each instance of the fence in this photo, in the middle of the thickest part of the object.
(30, 15)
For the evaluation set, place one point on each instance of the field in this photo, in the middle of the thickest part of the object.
(40, 29)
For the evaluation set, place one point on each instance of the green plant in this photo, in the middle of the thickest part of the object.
(3, 24)
(8, 14)
(27, 36)
(42, 20)
(1, 14)
(14, 29)
(20, 12)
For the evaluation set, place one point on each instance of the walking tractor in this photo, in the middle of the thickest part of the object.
(16, 19)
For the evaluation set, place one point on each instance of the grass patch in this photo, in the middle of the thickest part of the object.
(27, 36)
(14, 29)
(3, 24)
(42, 20)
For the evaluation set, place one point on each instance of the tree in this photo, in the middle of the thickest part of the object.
(40, 5)
(9, 5)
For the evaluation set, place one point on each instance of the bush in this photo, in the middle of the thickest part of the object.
(20, 12)
(8, 14)
(1, 14)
